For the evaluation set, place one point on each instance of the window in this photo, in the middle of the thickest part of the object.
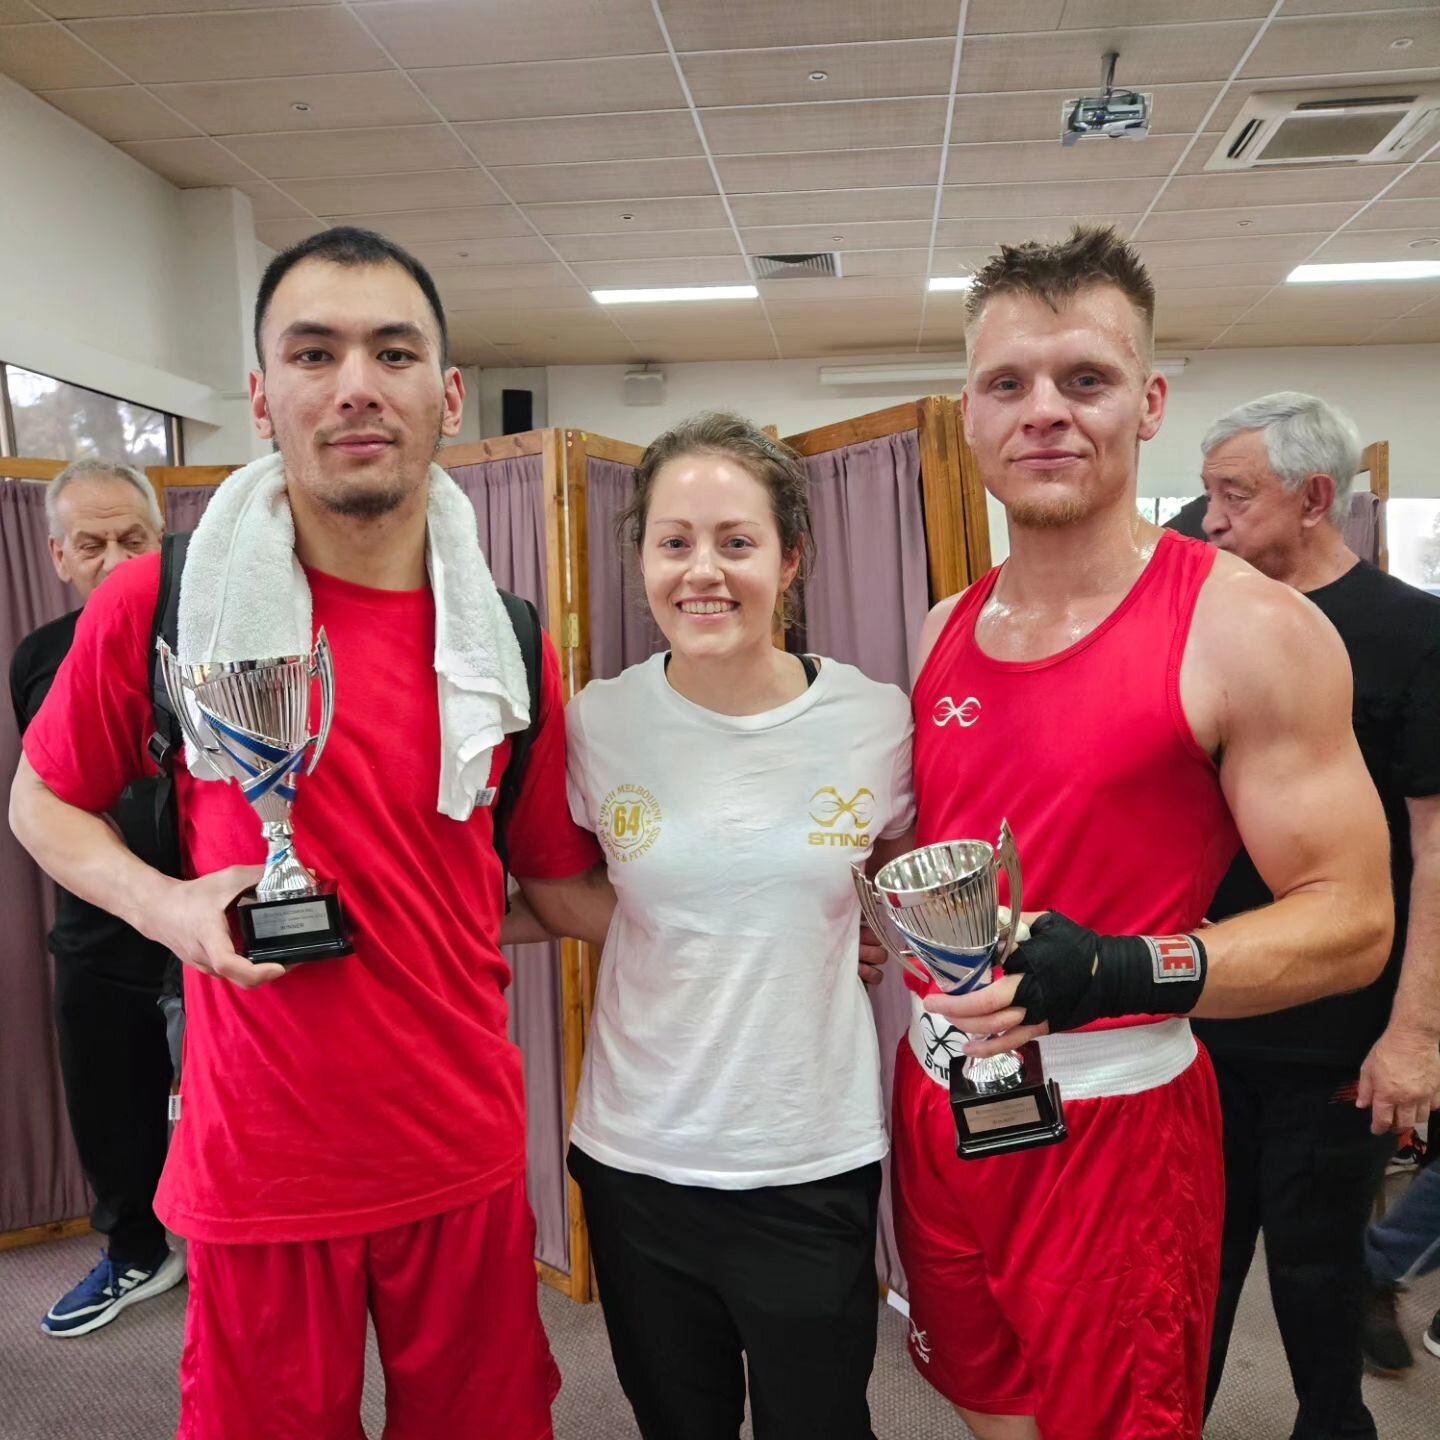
(1157, 509)
(53, 420)
(1412, 532)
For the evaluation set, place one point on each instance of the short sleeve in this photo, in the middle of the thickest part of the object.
(87, 743)
(577, 765)
(902, 785)
(1417, 750)
(544, 843)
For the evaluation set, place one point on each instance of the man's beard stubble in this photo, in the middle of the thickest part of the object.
(359, 502)
(1048, 514)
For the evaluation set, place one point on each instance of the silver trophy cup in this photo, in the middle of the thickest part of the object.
(251, 721)
(937, 911)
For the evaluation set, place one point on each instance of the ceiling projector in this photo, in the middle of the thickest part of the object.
(1115, 115)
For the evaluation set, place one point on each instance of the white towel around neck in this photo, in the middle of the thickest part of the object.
(244, 596)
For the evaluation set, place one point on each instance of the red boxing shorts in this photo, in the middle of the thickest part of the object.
(1075, 1282)
(275, 1334)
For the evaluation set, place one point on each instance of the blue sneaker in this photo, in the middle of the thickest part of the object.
(106, 1291)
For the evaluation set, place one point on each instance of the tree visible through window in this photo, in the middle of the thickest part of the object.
(54, 420)
(1412, 529)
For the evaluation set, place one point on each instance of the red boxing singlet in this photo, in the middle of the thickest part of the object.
(1118, 815)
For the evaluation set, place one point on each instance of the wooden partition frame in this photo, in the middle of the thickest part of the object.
(1375, 462)
(957, 528)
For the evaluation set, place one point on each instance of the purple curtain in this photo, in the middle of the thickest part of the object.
(865, 602)
(40, 1175)
(869, 589)
(509, 501)
(622, 630)
(1361, 527)
(185, 504)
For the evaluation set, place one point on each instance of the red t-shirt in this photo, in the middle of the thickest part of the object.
(358, 1093)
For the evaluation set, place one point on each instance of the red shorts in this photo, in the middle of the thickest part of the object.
(275, 1334)
(1076, 1282)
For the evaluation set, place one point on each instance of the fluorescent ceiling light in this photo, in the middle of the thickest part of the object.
(1169, 366)
(951, 282)
(1366, 270)
(676, 292)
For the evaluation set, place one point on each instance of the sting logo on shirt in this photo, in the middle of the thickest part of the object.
(965, 714)
(845, 822)
(629, 822)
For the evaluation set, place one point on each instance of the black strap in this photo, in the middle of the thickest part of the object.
(811, 669)
(525, 621)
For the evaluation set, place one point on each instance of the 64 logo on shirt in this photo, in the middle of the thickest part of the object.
(629, 822)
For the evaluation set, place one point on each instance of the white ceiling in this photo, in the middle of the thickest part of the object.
(528, 150)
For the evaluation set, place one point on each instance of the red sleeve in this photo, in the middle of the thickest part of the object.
(544, 842)
(88, 741)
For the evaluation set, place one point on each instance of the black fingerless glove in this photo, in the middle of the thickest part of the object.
(1071, 976)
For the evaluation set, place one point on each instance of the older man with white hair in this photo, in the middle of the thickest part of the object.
(108, 977)
(1311, 1096)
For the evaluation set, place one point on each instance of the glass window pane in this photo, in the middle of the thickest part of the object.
(57, 421)
(1169, 506)
(1412, 532)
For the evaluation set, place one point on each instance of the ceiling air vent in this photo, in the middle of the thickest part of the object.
(1378, 124)
(795, 267)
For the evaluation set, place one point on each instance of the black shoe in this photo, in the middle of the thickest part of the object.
(1431, 1337)
(1384, 1347)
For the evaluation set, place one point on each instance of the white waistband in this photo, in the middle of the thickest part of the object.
(1085, 1064)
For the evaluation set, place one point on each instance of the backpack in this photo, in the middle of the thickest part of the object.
(166, 744)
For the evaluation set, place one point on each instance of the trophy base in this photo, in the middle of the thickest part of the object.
(294, 929)
(1018, 1114)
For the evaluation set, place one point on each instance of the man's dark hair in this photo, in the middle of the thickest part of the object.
(1089, 255)
(347, 245)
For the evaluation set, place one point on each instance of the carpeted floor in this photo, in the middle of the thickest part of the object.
(119, 1384)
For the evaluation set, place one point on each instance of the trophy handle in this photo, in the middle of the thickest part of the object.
(883, 927)
(175, 693)
(1009, 859)
(323, 665)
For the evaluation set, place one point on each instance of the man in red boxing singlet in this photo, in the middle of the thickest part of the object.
(1137, 706)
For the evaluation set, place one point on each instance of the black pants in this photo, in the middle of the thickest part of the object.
(116, 1067)
(1303, 1166)
(692, 1278)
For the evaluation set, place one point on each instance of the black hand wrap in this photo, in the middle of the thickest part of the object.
(1071, 976)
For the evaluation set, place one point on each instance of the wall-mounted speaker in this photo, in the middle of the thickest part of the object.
(517, 411)
(644, 387)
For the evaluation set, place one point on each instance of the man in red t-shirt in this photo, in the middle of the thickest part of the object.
(352, 1137)
(1134, 706)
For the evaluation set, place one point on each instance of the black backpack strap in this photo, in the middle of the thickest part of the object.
(166, 738)
(525, 621)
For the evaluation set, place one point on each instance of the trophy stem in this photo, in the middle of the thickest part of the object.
(284, 874)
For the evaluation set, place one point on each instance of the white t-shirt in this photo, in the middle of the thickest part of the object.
(732, 1043)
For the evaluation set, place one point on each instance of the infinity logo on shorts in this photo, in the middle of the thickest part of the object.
(965, 714)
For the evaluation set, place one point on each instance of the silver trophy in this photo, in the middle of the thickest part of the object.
(937, 911)
(250, 720)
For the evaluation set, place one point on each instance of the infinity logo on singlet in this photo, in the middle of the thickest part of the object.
(845, 821)
(965, 714)
(629, 822)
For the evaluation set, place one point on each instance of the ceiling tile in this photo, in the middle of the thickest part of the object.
(885, 262)
(846, 125)
(561, 87)
(1291, 332)
(421, 226)
(268, 203)
(678, 351)
(419, 190)
(876, 235)
(846, 288)
(92, 9)
(1336, 44)
(1085, 14)
(252, 107)
(1378, 245)
(1151, 55)
(443, 255)
(524, 300)
(480, 279)
(1244, 223)
(506, 328)
(1348, 7)
(625, 274)
(479, 32)
(1418, 330)
(853, 72)
(646, 244)
(190, 164)
(281, 234)
(824, 207)
(610, 217)
(829, 170)
(1328, 184)
(1358, 302)
(991, 17)
(45, 57)
(329, 153)
(759, 24)
(1026, 160)
(1186, 299)
(316, 40)
(1421, 183)
(1036, 114)
(973, 202)
(1283, 250)
(1400, 215)
(990, 234)
(618, 180)
(18, 12)
(1221, 277)
(119, 112)
(656, 134)
(1181, 319)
